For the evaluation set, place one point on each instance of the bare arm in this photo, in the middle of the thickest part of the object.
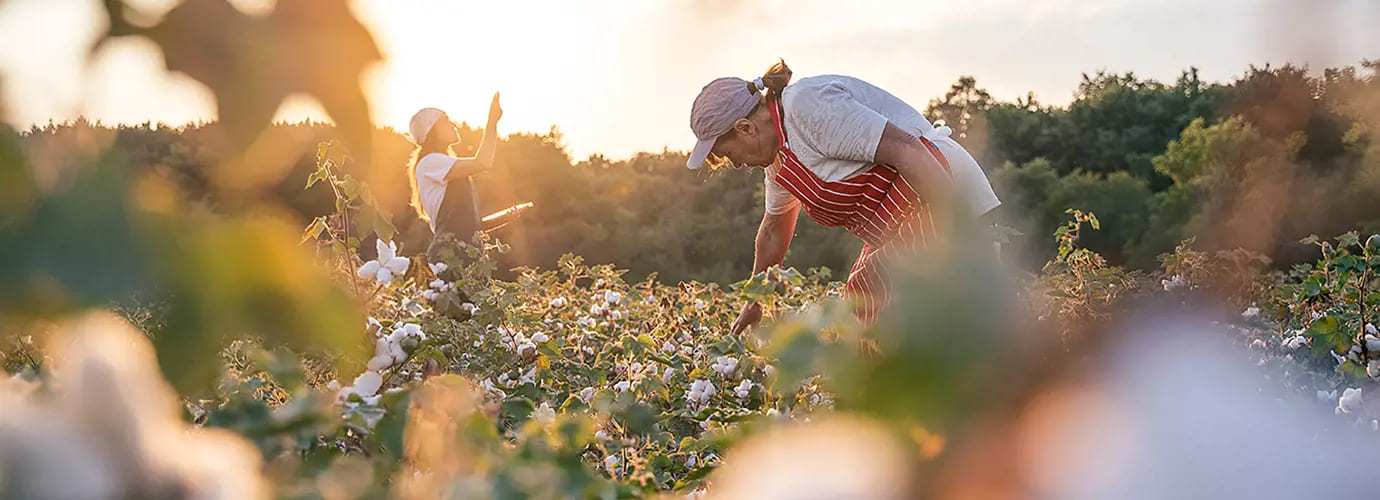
(773, 239)
(909, 156)
(484, 157)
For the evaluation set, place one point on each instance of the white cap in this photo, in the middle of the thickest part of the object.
(422, 122)
(720, 104)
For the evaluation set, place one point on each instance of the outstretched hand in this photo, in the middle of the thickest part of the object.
(495, 110)
(751, 314)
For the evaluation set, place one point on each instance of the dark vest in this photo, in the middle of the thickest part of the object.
(459, 212)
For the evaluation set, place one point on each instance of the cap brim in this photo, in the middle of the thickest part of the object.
(700, 153)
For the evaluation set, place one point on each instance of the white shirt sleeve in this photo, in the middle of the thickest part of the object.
(434, 167)
(777, 198)
(835, 124)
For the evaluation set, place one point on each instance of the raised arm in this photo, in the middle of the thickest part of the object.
(484, 157)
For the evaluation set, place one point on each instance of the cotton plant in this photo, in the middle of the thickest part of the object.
(387, 266)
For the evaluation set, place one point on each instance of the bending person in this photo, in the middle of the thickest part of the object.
(852, 155)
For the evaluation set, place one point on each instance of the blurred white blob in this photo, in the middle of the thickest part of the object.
(834, 457)
(1174, 411)
(111, 430)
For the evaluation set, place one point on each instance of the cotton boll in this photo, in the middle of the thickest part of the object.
(367, 383)
(379, 363)
(1350, 400)
(838, 457)
(369, 270)
(544, 414)
(743, 389)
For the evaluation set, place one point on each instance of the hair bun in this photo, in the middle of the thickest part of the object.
(776, 78)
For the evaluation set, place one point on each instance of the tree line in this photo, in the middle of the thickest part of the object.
(1258, 163)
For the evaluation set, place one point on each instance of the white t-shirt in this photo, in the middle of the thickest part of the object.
(833, 124)
(431, 183)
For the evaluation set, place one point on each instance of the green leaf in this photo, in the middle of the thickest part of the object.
(517, 409)
(1348, 239)
(314, 229)
(638, 418)
(693, 476)
(1326, 325)
(390, 428)
(1313, 286)
(317, 176)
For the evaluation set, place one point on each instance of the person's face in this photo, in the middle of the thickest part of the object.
(747, 144)
(446, 131)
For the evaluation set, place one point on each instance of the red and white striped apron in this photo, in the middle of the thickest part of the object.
(878, 206)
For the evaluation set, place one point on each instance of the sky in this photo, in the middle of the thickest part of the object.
(618, 76)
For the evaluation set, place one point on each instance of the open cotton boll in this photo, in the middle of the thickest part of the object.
(369, 270)
(743, 389)
(612, 297)
(386, 266)
(544, 414)
(437, 267)
(838, 457)
(1350, 400)
(725, 365)
(587, 394)
(111, 428)
(379, 363)
(367, 383)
